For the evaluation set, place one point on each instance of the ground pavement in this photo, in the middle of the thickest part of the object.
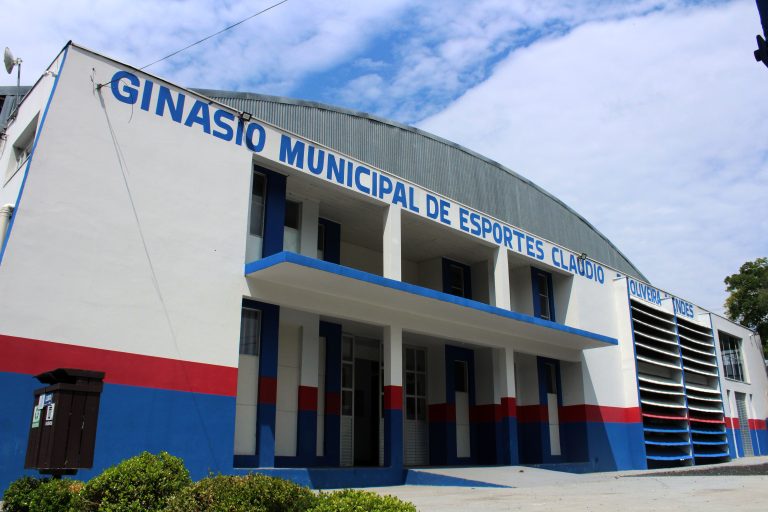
(738, 485)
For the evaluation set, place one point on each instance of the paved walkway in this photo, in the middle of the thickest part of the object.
(537, 489)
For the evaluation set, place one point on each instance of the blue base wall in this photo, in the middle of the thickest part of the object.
(199, 428)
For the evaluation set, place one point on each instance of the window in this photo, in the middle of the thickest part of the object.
(730, 347)
(457, 279)
(320, 240)
(22, 148)
(292, 214)
(460, 383)
(258, 194)
(415, 384)
(543, 302)
(250, 331)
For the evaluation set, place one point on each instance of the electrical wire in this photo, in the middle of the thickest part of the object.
(99, 86)
(214, 35)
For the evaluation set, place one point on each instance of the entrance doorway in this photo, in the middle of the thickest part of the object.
(361, 401)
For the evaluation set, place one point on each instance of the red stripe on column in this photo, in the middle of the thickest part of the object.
(532, 413)
(509, 407)
(442, 413)
(267, 390)
(756, 424)
(731, 422)
(332, 402)
(393, 398)
(307, 398)
(32, 357)
(599, 414)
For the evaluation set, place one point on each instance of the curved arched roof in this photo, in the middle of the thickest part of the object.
(437, 164)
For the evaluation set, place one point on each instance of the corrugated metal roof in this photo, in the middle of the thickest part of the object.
(435, 163)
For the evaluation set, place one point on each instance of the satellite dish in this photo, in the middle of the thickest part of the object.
(9, 60)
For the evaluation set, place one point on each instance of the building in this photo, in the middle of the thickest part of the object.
(270, 283)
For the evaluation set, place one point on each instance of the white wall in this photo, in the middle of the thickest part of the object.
(77, 228)
(361, 258)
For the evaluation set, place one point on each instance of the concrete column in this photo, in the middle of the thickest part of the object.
(310, 213)
(500, 295)
(306, 442)
(392, 243)
(504, 396)
(393, 396)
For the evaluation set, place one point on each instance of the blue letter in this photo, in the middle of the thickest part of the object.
(131, 93)
(292, 155)
(249, 137)
(218, 119)
(199, 114)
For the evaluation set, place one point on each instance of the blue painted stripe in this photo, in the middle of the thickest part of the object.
(305, 261)
(4, 242)
(197, 427)
(670, 457)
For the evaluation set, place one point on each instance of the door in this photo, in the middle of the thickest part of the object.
(415, 425)
(361, 415)
(746, 436)
(461, 395)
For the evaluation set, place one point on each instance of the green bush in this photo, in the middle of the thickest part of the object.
(350, 500)
(29, 494)
(57, 496)
(142, 483)
(253, 492)
(16, 497)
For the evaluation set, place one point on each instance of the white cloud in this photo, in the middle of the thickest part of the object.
(652, 127)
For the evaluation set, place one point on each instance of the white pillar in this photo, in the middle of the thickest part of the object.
(503, 374)
(392, 248)
(500, 296)
(393, 396)
(310, 213)
(5, 218)
(310, 350)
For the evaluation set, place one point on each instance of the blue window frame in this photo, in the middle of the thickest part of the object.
(457, 279)
(543, 297)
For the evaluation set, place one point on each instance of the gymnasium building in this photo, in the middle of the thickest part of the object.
(283, 286)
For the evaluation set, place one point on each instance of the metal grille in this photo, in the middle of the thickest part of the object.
(746, 436)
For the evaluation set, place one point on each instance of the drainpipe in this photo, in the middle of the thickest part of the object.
(5, 218)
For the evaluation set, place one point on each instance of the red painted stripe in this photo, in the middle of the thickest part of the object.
(484, 413)
(307, 398)
(702, 420)
(267, 390)
(332, 403)
(28, 356)
(731, 422)
(442, 413)
(532, 413)
(393, 398)
(508, 407)
(756, 424)
(599, 414)
(665, 417)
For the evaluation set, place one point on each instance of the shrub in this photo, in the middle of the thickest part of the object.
(253, 492)
(350, 500)
(16, 497)
(43, 495)
(141, 483)
(57, 496)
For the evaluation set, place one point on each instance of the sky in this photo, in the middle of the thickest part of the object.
(647, 117)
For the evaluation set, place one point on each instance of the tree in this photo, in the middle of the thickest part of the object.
(748, 299)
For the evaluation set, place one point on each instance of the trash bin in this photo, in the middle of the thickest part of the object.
(62, 434)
